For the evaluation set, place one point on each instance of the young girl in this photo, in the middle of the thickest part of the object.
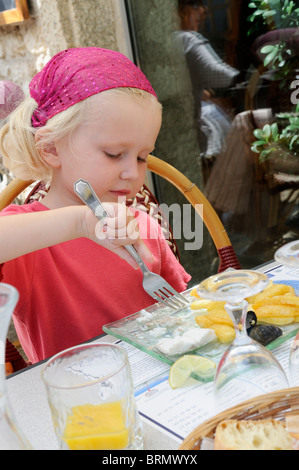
(92, 114)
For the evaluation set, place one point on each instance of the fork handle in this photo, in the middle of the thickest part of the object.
(133, 252)
(89, 197)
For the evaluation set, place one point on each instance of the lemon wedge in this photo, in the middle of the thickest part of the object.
(189, 364)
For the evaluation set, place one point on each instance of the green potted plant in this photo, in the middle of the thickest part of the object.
(278, 142)
(281, 17)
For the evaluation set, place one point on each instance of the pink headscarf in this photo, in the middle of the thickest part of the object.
(75, 74)
(10, 97)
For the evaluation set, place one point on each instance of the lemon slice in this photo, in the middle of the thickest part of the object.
(189, 364)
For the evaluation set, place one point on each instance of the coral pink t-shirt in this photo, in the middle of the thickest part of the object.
(70, 290)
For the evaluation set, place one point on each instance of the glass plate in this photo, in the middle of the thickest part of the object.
(145, 328)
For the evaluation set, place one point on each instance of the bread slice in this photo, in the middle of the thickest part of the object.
(252, 435)
(292, 425)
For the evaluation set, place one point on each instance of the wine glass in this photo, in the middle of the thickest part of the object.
(247, 368)
(288, 256)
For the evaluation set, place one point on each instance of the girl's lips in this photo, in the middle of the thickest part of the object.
(121, 192)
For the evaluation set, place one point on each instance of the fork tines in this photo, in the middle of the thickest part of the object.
(173, 300)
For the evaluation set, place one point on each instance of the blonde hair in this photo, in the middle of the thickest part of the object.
(18, 144)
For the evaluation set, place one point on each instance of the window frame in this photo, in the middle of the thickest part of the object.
(15, 15)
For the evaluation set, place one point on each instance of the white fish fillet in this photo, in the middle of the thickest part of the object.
(190, 340)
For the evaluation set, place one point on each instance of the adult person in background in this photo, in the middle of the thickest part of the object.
(245, 193)
(207, 71)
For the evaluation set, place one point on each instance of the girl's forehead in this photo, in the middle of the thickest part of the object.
(114, 100)
(122, 116)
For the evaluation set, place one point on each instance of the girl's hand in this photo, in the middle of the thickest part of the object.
(118, 229)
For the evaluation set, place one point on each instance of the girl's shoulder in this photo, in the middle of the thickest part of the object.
(35, 206)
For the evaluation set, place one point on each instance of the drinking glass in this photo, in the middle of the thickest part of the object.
(288, 255)
(91, 397)
(247, 368)
(11, 436)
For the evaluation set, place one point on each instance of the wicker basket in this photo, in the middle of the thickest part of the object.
(276, 405)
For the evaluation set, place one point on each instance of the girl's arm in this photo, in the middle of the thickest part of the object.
(24, 233)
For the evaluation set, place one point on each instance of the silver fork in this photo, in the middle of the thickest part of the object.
(152, 283)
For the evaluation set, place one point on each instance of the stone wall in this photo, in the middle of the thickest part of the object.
(55, 25)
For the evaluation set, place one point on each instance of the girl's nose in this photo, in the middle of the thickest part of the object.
(130, 170)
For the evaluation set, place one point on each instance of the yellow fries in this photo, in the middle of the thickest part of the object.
(276, 314)
(204, 321)
(222, 318)
(194, 293)
(277, 305)
(286, 299)
(224, 333)
(207, 304)
(222, 326)
(272, 291)
(276, 311)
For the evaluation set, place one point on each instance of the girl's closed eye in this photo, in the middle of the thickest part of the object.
(118, 155)
(111, 155)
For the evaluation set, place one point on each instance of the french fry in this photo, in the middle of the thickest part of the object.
(206, 304)
(276, 314)
(224, 333)
(194, 293)
(203, 321)
(272, 291)
(221, 319)
(253, 297)
(276, 311)
(277, 321)
(286, 299)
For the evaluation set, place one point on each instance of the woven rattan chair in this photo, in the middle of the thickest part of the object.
(146, 201)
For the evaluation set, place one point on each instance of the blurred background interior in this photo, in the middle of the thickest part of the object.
(223, 69)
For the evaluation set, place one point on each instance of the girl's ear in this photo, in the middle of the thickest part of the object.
(47, 150)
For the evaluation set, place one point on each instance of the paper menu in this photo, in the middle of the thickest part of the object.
(144, 367)
(174, 411)
(178, 412)
(285, 275)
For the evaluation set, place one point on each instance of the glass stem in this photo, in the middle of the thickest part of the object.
(238, 314)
